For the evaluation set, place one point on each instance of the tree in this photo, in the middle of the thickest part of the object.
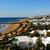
(39, 43)
(36, 34)
(4, 42)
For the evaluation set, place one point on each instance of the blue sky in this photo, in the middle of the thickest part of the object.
(24, 7)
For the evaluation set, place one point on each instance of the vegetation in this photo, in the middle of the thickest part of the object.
(39, 43)
(48, 34)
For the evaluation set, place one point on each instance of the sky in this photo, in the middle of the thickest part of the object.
(22, 8)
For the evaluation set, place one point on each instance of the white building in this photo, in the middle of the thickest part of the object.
(40, 32)
(45, 32)
(45, 41)
(24, 41)
(48, 30)
(32, 32)
(34, 39)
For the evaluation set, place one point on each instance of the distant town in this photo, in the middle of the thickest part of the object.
(31, 33)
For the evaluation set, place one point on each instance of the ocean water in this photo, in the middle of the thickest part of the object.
(13, 19)
(3, 26)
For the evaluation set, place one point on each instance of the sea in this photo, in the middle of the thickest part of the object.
(4, 22)
(11, 19)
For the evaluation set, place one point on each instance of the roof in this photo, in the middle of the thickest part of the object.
(23, 38)
(34, 39)
(40, 31)
(48, 30)
(45, 41)
(32, 32)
